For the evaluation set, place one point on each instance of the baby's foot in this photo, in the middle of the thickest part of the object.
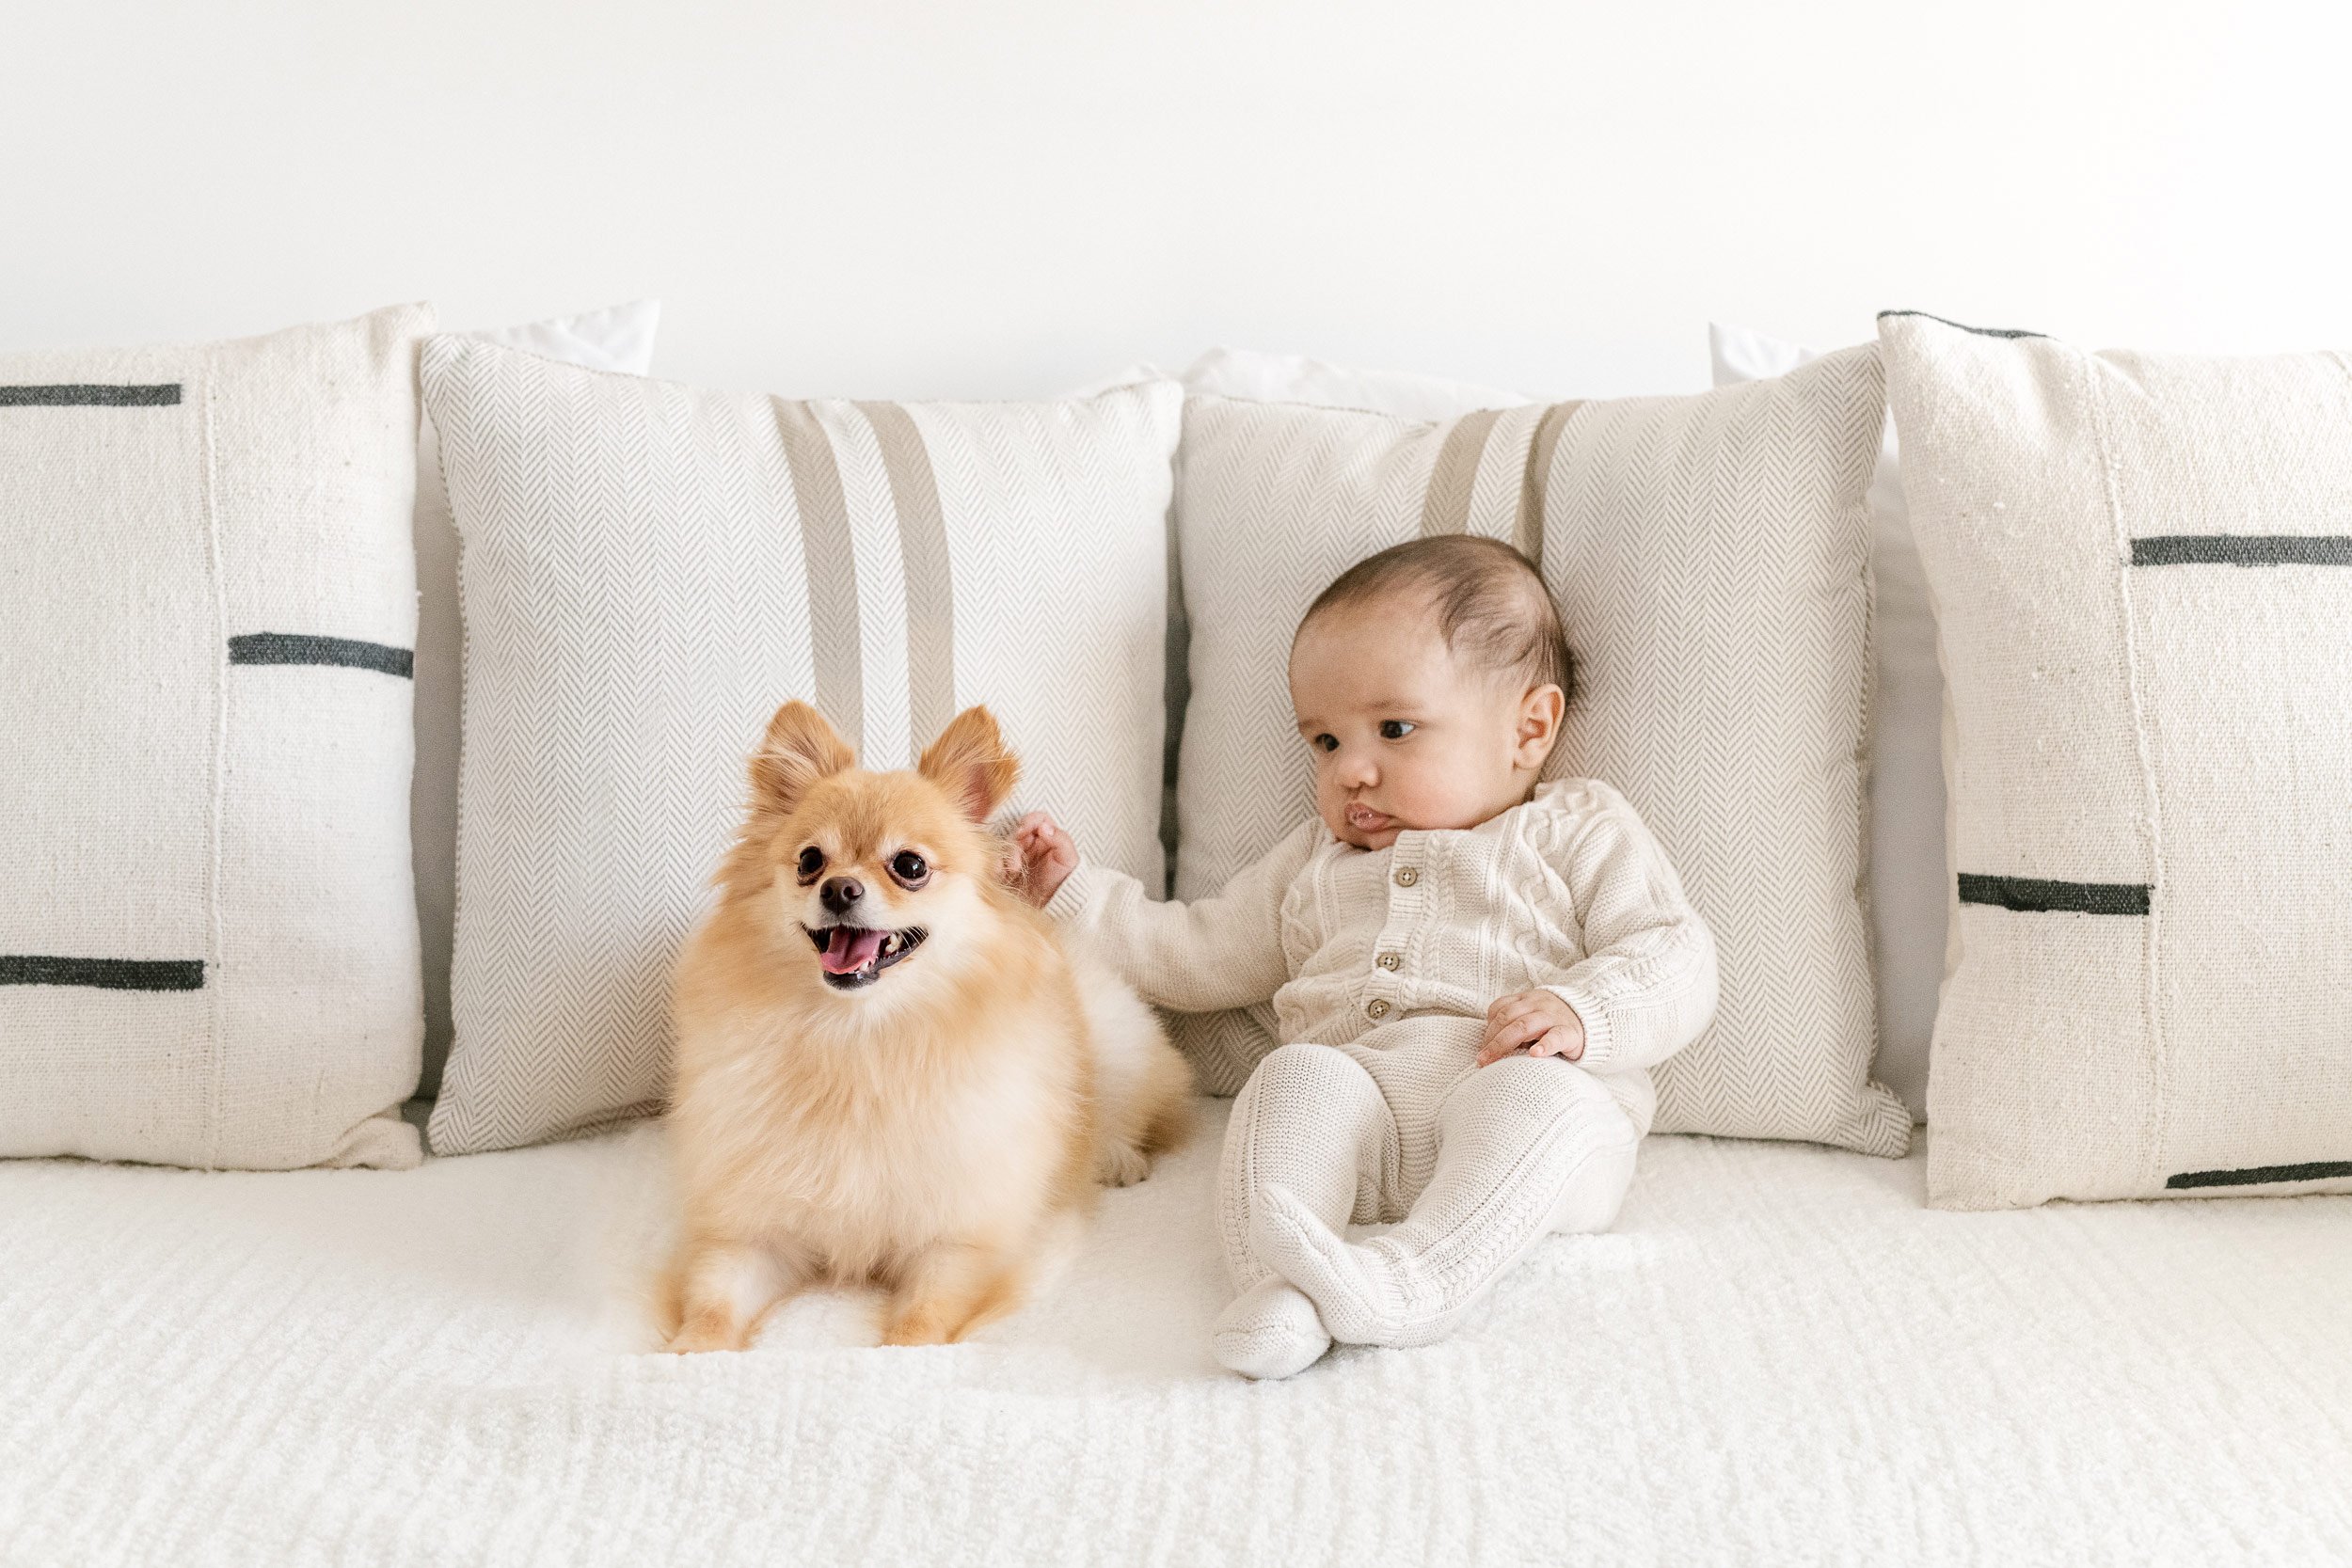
(1270, 1331)
(1356, 1304)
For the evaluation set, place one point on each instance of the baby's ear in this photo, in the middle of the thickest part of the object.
(1540, 713)
(799, 749)
(969, 762)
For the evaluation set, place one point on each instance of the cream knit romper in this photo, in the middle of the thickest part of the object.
(1381, 965)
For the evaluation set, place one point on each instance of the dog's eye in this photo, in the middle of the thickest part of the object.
(910, 869)
(812, 862)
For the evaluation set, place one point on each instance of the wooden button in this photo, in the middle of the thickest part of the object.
(1407, 876)
(1375, 1008)
(1388, 960)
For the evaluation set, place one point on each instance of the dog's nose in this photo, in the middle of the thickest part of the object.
(839, 892)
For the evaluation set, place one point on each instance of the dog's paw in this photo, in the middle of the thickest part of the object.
(706, 1333)
(1119, 1164)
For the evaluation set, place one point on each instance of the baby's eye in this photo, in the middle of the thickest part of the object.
(1396, 729)
(1326, 743)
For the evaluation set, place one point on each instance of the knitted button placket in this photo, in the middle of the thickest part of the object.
(1407, 910)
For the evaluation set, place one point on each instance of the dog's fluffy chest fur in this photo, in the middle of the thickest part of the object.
(858, 1132)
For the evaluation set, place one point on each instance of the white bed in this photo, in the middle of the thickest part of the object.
(1779, 1355)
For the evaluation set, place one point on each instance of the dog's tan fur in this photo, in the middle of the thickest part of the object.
(935, 1132)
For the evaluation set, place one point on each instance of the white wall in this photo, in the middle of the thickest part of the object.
(888, 198)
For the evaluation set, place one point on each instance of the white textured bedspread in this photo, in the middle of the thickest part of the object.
(1778, 1356)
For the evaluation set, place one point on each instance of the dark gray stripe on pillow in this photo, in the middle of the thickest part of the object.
(87, 395)
(2256, 1176)
(2032, 896)
(1446, 507)
(295, 647)
(2243, 549)
(34, 969)
(1979, 331)
(929, 581)
(825, 550)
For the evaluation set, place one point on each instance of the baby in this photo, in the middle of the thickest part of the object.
(1475, 969)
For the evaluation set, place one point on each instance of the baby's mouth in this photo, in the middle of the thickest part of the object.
(855, 956)
(1366, 820)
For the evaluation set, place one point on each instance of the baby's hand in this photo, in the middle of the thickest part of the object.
(1040, 858)
(1536, 1021)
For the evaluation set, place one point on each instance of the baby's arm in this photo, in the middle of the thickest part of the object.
(1224, 951)
(1646, 988)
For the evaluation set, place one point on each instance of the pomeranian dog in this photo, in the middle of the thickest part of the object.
(890, 1070)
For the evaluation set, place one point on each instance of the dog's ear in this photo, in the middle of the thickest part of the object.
(969, 762)
(799, 750)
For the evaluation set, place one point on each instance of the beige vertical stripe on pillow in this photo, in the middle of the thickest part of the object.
(1527, 532)
(1446, 508)
(930, 585)
(832, 565)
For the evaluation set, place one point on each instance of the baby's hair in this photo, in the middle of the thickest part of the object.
(1488, 598)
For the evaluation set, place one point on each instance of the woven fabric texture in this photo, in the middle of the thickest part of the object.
(648, 570)
(2139, 566)
(618, 339)
(1775, 1356)
(1709, 557)
(1907, 876)
(208, 939)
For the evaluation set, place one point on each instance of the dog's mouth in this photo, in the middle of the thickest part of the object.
(854, 956)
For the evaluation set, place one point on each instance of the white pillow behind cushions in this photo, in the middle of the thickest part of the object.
(650, 569)
(2140, 570)
(1256, 377)
(1726, 662)
(208, 940)
(618, 339)
(1909, 887)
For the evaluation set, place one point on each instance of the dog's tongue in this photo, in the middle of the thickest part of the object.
(848, 949)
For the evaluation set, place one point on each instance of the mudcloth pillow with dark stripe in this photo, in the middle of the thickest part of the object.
(208, 936)
(2142, 571)
(648, 570)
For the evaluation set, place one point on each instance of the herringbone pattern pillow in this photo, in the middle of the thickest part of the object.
(1709, 555)
(649, 569)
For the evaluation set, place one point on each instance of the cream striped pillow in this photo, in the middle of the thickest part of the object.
(208, 934)
(1709, 555)
(2139, 567)
(649, 569)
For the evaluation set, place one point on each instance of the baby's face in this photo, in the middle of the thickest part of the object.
(1405, 735)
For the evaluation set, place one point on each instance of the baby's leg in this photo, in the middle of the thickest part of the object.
(1525, 1147)
(1309, 1126)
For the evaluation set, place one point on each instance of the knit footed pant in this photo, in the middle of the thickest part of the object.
(1472, 1165)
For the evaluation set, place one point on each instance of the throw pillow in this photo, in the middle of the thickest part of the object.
(1907, 879)
(649, 570)
(1709, 555)
(617, 338)
(2139, 562)
(208, 942)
